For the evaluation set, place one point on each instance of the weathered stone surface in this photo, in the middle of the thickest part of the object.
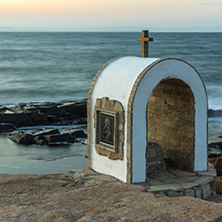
(20, 137)
(55, 198)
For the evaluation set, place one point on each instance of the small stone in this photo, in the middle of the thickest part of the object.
(206, 191)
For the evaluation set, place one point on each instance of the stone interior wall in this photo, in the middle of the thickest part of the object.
(171, 122)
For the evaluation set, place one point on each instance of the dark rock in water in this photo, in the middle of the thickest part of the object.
(78, 134)
(21, 137)
(18, 119)
(60, 138)
(57, 113)
(80, 121)
(40, 140)
(51, 110)
(6, 127)
(217, 145)
(46, 132)
(214, 113)
(37, 118)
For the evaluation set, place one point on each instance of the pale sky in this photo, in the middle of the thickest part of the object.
(100, 14)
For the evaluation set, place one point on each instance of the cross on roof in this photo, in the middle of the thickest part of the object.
(145, 42)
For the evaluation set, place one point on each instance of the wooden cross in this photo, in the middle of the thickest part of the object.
(145, 43)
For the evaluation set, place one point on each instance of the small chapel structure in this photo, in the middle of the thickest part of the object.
(138, 104)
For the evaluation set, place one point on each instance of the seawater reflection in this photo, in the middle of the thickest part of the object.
(35, 159)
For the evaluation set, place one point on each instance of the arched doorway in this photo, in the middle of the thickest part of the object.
(171, 124)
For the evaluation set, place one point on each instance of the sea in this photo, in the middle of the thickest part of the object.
(54, 66)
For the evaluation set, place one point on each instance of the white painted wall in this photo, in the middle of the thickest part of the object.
(168, 69)
(116, 82)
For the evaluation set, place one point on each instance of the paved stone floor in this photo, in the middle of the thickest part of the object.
(175, 182)
(172, 182)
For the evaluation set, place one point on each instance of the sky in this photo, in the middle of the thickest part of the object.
(111, 15)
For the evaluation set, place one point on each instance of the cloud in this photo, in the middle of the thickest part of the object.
(210, 3)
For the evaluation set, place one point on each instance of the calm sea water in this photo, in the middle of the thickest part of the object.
(60, 66)
(54, 66)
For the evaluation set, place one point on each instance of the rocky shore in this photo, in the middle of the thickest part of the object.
(89, 196)
(41, 123)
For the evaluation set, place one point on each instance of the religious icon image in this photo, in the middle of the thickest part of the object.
(107, 129)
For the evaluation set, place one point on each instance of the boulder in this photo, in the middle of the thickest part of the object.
(21, 137)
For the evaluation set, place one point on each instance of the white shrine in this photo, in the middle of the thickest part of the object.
(133, 101)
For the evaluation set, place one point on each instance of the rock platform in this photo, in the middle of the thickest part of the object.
(88, 196)
(40, 122)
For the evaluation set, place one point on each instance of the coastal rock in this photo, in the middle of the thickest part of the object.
(214, 113)
(35, 114)
(37, 118)
(46, 137)
(59, 139)
(78, 134)
(6, 127)
(54, 197)
(17, 119)
(21, 137)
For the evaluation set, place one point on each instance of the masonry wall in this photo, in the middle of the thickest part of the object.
(170, 122)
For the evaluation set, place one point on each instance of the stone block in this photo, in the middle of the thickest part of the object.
(165, 187)
(206, 191)
(198, 192)
(210, 172)
(190, 193)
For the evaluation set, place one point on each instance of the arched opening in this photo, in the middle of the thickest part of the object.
(171, 125)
